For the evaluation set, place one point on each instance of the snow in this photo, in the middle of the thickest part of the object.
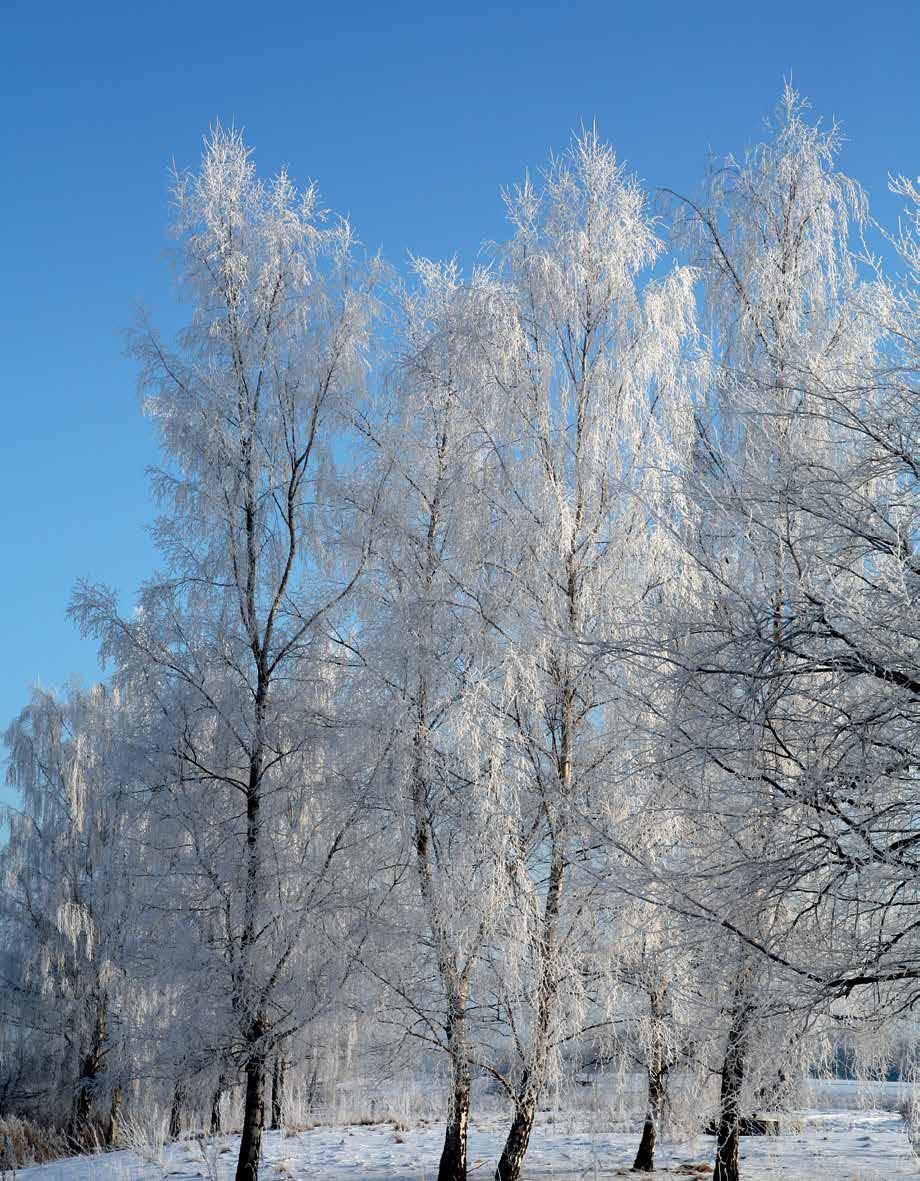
(832, 1146)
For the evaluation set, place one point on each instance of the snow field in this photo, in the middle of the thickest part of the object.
(832, 1146)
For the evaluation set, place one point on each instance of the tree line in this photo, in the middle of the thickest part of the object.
(531, 677)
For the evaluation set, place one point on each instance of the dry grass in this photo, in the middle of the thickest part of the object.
(24, 1142)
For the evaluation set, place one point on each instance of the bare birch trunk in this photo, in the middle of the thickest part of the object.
(247, 1168)
(216, 1098)
(278, 1091)
(645, 1156)
(90, 1067)
(175, 1112)
(512, 1157)
(533, 1078)
(728, 1132)
(525, 1109)
(254, 1107)
(657, 1072)
(111, 1137)
(452, 1166)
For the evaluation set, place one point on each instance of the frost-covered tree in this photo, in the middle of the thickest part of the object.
(556, 702)
(788, 322)
(593, 367)
(850, 637)
(426, 657)
(229, 637)
(67, 907)
(653, 961)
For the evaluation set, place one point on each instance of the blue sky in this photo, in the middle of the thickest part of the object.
(410, 116)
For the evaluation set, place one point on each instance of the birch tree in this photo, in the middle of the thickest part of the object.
(427, 656)
(594, 381)
(232, 630)
(783, 296)
(66, 901)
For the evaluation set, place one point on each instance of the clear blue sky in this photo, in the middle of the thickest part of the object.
(410, 116)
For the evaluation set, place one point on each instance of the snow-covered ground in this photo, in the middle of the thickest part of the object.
(831, 1146)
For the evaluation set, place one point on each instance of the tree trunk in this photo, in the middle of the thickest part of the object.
(452, 1166)
(82, 1104)
(645, 1157)
(247, 1168)
(729, 1130)
(89, 1070)
(175, 1112)
(215, 1105)
(657, 1071)
(525, 1108)
(111, 1138)
(278, 1091)
(312, 1088)
(512, 1157)
(453, 1155)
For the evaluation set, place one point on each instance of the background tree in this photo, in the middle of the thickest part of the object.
(67, 904)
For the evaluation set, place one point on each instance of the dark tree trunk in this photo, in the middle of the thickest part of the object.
(656, 1067)
(312, 1088)
(247, 1168)
(729, 1130)
(278, 1091)
(215, 1105)
(512, 1157)
(111, 1138)
(453, 1154)
(645, 1157)
(83, 1103)
(90, 1067)
(175, 1112)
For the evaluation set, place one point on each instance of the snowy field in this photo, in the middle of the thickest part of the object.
(855, 1145)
